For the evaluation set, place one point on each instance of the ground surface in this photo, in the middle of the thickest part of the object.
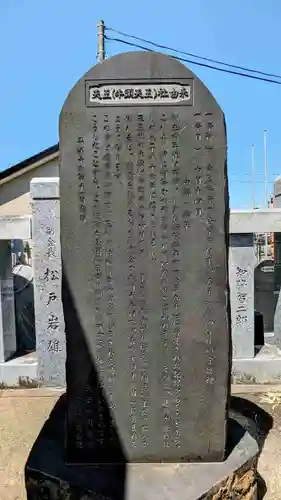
(22, 413)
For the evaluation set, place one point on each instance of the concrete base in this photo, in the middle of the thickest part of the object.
(47, 476)
(19, 372)
(264, 368)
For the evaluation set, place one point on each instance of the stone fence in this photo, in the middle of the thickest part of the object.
(47, 367)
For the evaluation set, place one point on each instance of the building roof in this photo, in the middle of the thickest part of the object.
(29, 162)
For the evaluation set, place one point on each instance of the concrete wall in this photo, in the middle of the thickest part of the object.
(15, 193)
(277, 193)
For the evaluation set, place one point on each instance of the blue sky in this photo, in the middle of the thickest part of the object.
(46, 45)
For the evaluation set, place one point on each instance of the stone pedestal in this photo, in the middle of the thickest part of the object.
(8, 344)
(47, 476)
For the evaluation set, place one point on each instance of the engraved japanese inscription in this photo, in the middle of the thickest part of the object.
(139, 93)
(144, 215)
(50, 335)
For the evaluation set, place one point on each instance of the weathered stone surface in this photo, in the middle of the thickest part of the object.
(24, 308)
(237, 487)
(8, 343)
(47, 476)
(262, 220)
(15, 227)
(144, 217)
(241, 279)
(46, 258)
(265, 298)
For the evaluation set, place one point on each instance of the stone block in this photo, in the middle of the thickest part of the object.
(47, 475)
(15, 228)
(44, 188)
(255, 221)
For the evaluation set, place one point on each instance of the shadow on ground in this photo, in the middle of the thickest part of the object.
(258, 424)
(81, 430)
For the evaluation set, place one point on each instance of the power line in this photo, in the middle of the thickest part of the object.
(256, 173)
(190, 54)
(248, 182)
(222, 70)
(209, 66)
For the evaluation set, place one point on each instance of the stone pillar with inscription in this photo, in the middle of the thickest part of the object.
(8, 343)
(46, 260)
(241, 278)
(144, 213)
(144, 235)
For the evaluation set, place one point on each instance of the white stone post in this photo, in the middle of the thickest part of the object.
(46, 258)
(241, 279)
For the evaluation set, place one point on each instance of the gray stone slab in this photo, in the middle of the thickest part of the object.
(24, 307)
(241, 279)
(277, 321)
(8, 342)
(46, 260)
(265, 296)
(277, 285)
(144, 217)
(277, 267)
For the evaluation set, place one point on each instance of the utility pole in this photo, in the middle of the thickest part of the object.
(253, 177)
(265, 171)
(101, 52)
(265, 184)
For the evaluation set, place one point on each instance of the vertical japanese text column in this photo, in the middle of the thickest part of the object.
(241, 280)
(47, 268)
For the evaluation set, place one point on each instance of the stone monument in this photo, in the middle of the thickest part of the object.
(144, 245)
(265, 298)
(8, 343)
(143, 185)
